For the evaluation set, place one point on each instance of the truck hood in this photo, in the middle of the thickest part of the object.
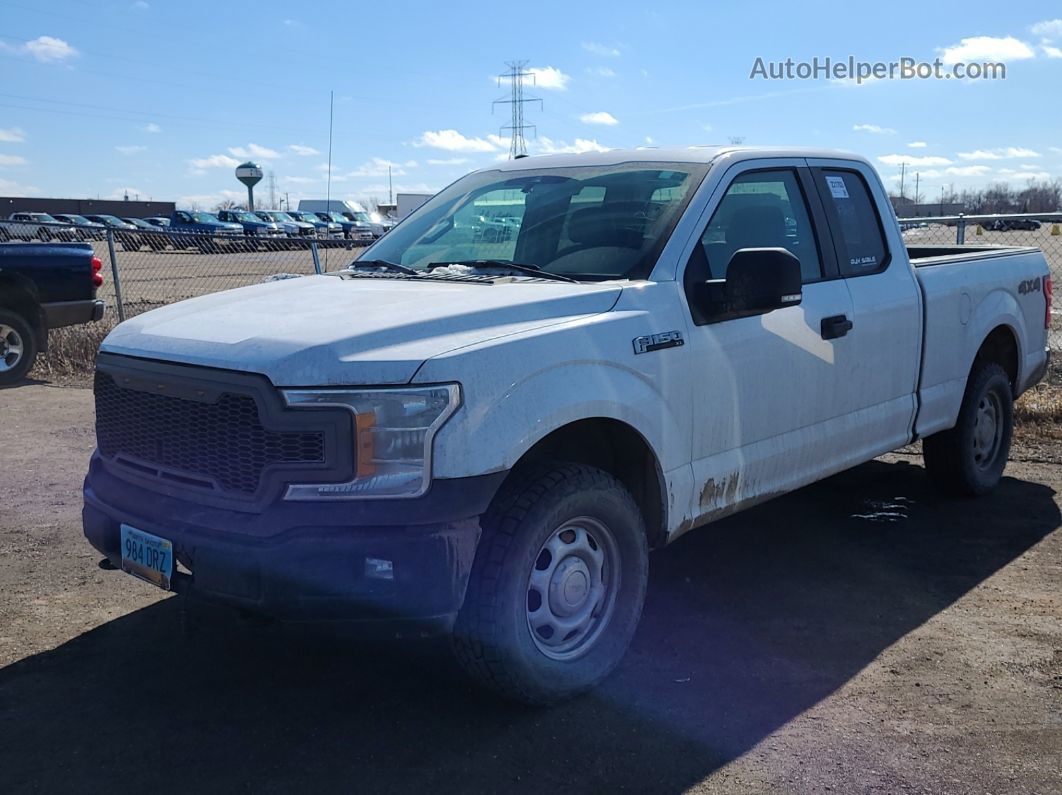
(324, 330)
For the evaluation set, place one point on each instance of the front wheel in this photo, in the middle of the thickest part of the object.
(557, 585)
(968, 460)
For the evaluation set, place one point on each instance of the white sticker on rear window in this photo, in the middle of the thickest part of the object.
(837, 187)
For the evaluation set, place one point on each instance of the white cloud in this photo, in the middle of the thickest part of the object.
(450, 161)
(872, 128)
(303, 151)
(599, 117)
(254, 150)
(913, 160)
(917, 145)
(706, 127)
(214, 161)
(1023, 176)
(151, 128)
(140, 5)
(13, 160)
(600, 71)
(44, 48)
(377, 167)
(967, 171)
(987, 48)
(301, 180)
(1049, 51)
(131, 149)
(549, 77)
(998, 154)
(12, 135)
(1049, 29)
(499, 141)
(209, 200)
(547, 146)
(604, 50)
(453, 141)
(649, 140)
(11, 188)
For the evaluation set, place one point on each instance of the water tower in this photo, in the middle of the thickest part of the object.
(250, 175)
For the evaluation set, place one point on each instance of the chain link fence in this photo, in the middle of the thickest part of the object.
(1044, 231)
(148, 268)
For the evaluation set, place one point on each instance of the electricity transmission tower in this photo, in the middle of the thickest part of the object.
(516, 76)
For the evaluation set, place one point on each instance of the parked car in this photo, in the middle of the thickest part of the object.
(255, 229)
(324, 228)
(149, 233)
(290, 226)
(158, 221)
(84, 229)
(357, 231)
(202, 230)
(451, 438)
(124, 232)
(1011, 225)
(33, 226)
(42, 288)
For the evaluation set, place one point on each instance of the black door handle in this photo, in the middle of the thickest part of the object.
(835, 326)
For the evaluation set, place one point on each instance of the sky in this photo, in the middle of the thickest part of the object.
(161, 100)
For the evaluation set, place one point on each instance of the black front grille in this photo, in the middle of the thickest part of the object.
(220, 444)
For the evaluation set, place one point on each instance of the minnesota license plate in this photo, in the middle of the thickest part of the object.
(147, 556)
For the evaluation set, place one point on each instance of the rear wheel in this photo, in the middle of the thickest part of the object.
(18, 347)
(557, 586)
(968, 460)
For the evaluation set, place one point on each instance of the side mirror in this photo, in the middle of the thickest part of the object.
(758, 280)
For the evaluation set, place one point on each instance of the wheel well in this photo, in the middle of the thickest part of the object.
(1001, 347)
(20, 297)
(618, 449)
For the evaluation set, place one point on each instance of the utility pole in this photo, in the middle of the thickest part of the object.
(390, 193)
(903, 169)
(272, 190)
(916, 187)
(516, 76)
(328, 185)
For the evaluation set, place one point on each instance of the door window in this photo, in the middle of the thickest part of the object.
(854, 218)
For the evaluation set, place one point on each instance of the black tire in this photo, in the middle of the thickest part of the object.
(493, 639)
(958, 461)
(15, 330)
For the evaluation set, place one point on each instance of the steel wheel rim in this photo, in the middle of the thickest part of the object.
(572, 588)
(11, 348)
(988, 430)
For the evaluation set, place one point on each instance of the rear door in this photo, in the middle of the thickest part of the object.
(886, 330)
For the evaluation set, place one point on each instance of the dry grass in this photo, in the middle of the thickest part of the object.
(71, 353)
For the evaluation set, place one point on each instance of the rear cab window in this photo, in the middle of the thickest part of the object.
(853, 217)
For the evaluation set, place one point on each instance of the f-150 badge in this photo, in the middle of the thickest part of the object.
(657, 342)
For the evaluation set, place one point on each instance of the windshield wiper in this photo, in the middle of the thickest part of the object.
(384, 264)
(530, 270)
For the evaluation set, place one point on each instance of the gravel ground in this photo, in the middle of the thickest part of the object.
(804, 646)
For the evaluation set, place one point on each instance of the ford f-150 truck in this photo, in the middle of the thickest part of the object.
(484, 436)
(43, 287)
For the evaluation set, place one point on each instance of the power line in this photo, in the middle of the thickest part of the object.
(516, 76)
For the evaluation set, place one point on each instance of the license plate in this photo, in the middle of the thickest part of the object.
(147, 556)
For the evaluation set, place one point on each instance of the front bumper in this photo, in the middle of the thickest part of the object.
(309, 561)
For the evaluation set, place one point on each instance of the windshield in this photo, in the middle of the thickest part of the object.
(111, 219)
(586, 222)
(204, 218)
(361, 217)
(247, 217)
(278, 216)
(44, 218)
(336, 217)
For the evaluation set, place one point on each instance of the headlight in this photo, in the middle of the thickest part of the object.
(393, 432)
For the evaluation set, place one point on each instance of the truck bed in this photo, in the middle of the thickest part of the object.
(925, 256)
(967, 291)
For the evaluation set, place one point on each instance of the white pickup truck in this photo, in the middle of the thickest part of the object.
(483, 425)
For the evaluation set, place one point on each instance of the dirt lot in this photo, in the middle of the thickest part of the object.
(804, 646)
